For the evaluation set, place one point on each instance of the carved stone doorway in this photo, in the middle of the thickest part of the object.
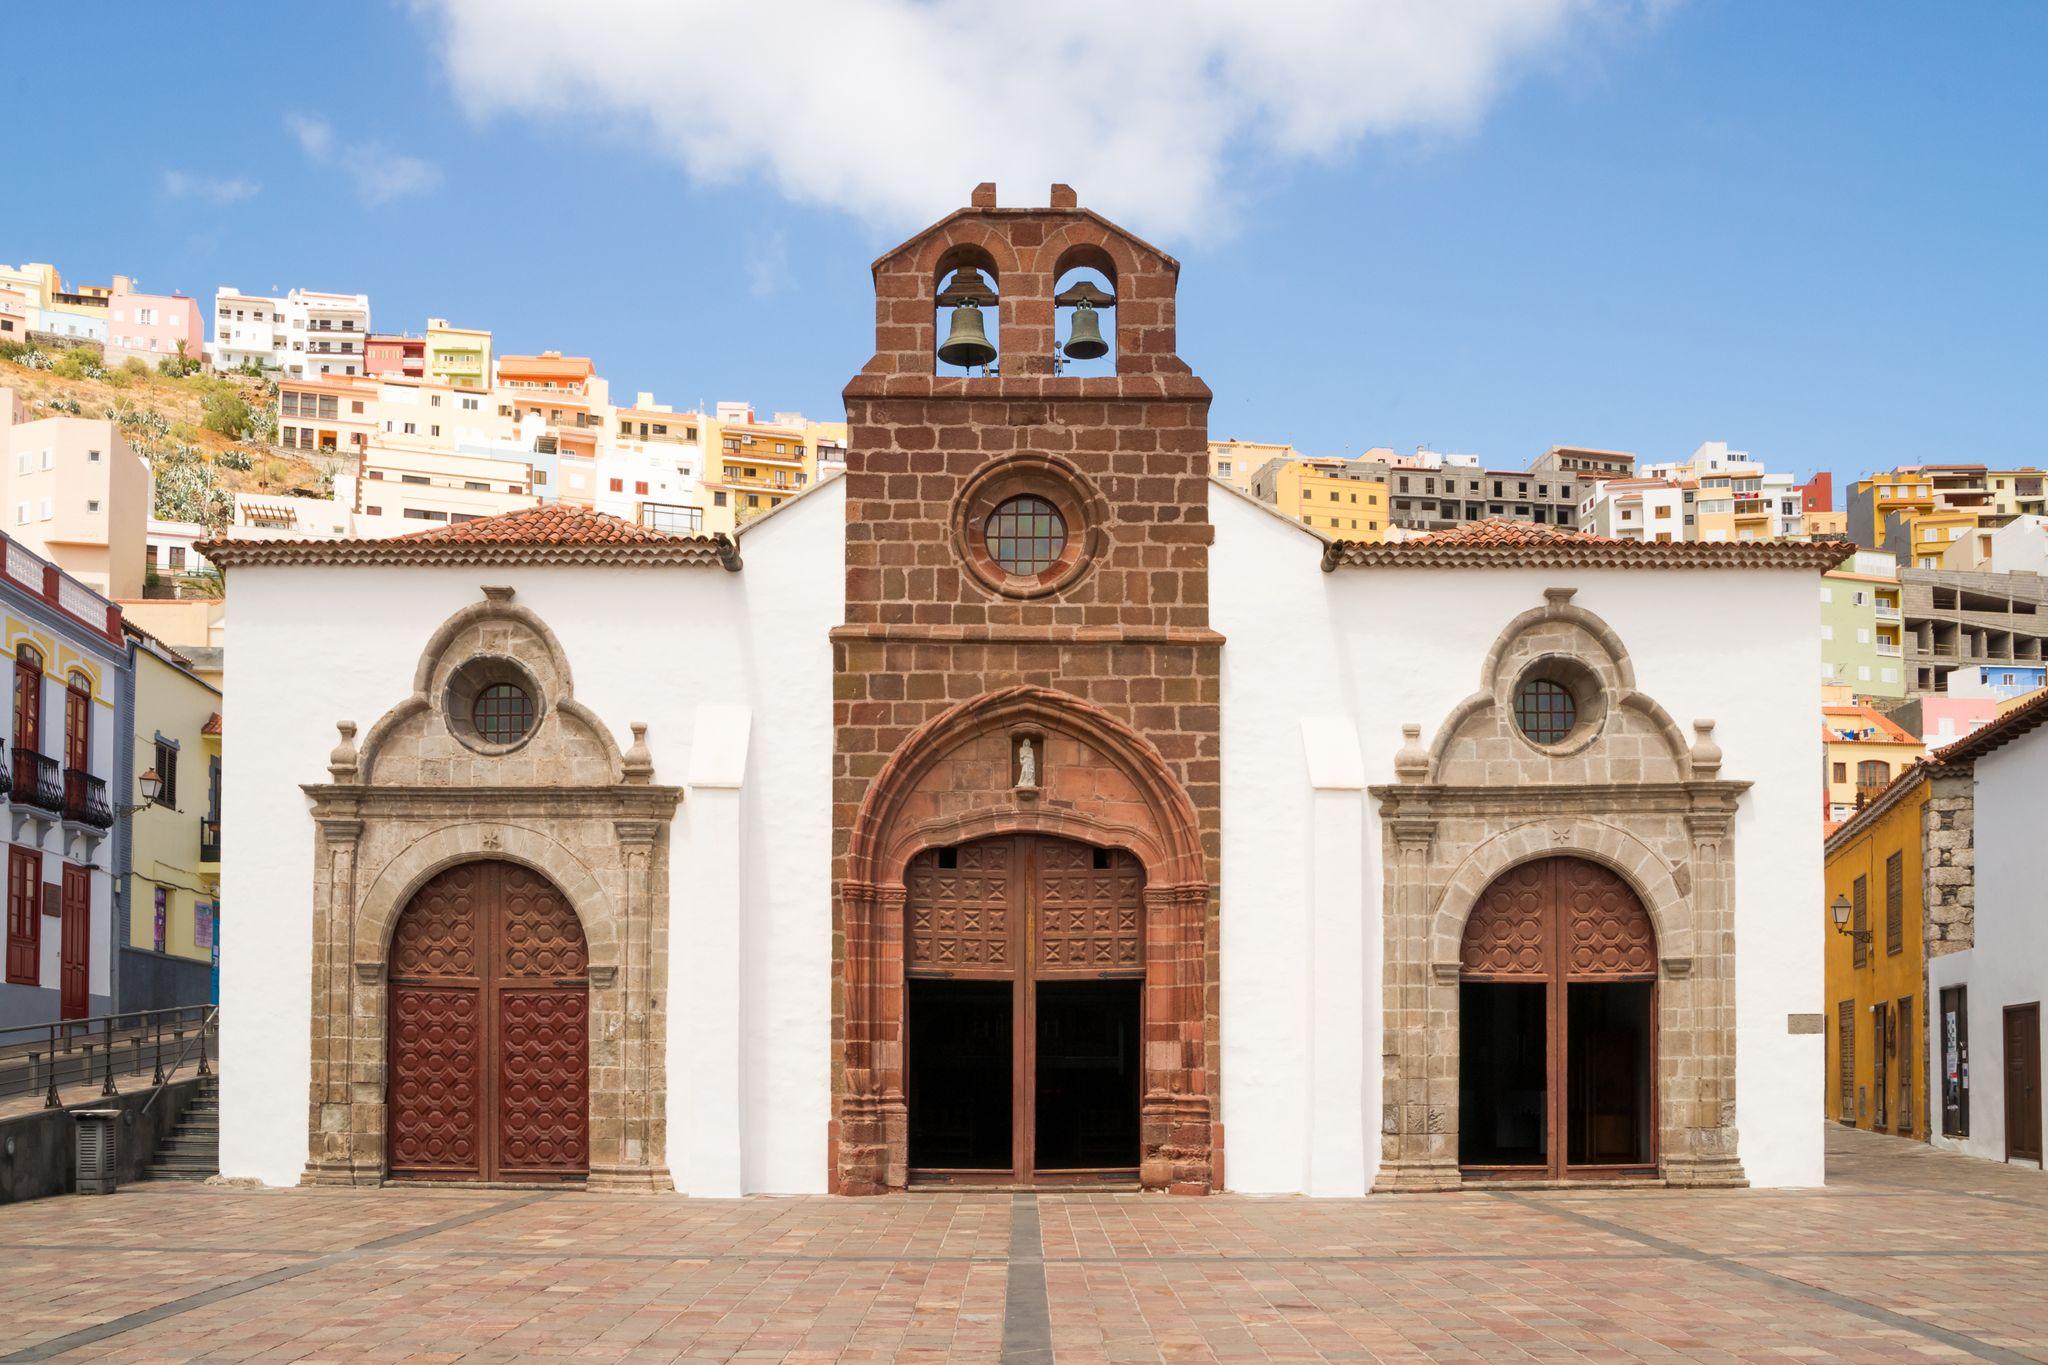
(1025, 973)
(490, 1030)
(1557, 1027)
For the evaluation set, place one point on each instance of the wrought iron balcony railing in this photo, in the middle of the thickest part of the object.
(209, 839)
(85, 799)
(36, 781)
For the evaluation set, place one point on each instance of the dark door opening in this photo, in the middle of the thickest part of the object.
(1088, 1081)
(1503, 1074)
(1607, 1093)
(958, 1074)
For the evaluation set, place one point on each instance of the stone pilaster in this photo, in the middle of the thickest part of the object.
(331, 1144)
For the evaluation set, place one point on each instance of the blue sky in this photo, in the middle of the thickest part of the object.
(1814, 231)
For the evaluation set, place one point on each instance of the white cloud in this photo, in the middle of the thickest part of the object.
(380, 175)
(214, 190)
(768, 271)
(893, 109)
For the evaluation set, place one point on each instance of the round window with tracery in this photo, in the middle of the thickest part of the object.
(503, 713)
(1026, 536)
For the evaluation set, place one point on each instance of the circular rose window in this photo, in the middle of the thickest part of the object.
(503, 713)
(1545, 711)
(1026, 536)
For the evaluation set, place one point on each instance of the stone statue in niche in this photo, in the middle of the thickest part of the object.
(1027, 764)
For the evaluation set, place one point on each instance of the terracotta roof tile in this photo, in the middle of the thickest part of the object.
(550, 534)
(1521, 544)
(212, 726)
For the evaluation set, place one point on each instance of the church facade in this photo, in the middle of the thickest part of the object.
(1102, 829)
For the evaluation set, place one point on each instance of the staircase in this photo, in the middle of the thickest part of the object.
(192, 1151)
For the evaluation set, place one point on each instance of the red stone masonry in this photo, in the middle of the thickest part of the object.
(1115, 669)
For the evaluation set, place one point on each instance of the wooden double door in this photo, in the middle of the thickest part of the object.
(489, 1038)
(1024, 981)
(1557, 1026)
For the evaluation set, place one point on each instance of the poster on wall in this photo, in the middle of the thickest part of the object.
(162, 916)
(202, 924)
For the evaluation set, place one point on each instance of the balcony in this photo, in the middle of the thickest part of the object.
(36, 782)
(85, 800)
(1888, 648)
(209, 838)
(1887, 611)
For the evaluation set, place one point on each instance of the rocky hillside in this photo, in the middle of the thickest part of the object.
(206, 436)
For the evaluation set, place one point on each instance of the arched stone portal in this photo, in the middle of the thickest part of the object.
(1091, 789)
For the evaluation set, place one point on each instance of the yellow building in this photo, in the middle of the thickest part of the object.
(1935, 531)
(751, 466)
(173, 891)
(1903, 492)
(1236, 462)
(458, 355)
(1827, 523)
(1865, 750)
(1874, 974)
(2018, 492)
(1342, 499)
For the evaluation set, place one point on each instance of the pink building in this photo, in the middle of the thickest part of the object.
(150, 326)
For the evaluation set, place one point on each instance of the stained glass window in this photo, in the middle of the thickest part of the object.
(1026, 536)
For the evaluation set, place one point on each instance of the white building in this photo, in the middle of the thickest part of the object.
(1288, 836)
(2019, 546)
(1986, 992)
(305, 334)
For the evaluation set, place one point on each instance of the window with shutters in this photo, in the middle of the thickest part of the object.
(24, 916)
(1845, 1053)
(1894, 904)
(1860, 898)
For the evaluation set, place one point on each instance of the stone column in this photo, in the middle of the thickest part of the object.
(628, 1136)
(863, 1153)
(1711, 1158)
(331, 1151)
(1418, 1126)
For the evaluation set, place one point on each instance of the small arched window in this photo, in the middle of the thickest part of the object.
(1084, 302)
(967, 318)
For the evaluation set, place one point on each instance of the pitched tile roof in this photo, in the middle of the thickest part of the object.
(1884, 730)
(1495, 544)
(550, 534)
(212, 726)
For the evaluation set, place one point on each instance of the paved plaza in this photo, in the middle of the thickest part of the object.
(1908, 1254)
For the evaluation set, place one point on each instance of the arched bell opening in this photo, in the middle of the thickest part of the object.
(1084, 305)
(967, 318)
(1557, 1026)
(488, 1072)
(1024, 985)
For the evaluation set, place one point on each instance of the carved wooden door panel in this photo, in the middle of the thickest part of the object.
(489, 1036)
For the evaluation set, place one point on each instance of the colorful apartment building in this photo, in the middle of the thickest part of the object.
(458, 355)
(76, 492)
(66, 771)
(754, 466)
(309, 333)
(395, 354)
(1861, 629)
(28, 288)
(169, 863)
(153, 327)
(1340, 499)
(2017, 492)
(1865, 749)
(1876, 964)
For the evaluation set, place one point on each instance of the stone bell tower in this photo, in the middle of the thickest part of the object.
(1026, 657)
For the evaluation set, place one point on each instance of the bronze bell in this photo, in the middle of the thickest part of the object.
(1084, 337)
(967, 344)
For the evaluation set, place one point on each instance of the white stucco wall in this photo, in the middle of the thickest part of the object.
(2009, 964)
(316, 645)
(1384, 646)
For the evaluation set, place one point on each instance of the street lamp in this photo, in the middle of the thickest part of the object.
(1841, 910)
(152, 786)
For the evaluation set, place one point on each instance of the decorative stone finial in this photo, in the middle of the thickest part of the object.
(1411, 764)
(1558, 597)
(341, 763)
(1706, 755)
(639, 764)
(497, 593)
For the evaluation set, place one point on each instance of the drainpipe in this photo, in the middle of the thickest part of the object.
(123, 784)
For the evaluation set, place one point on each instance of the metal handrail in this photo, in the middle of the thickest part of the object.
(210, 1019)
(49, 1056)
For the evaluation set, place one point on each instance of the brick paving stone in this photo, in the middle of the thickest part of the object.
(1908, 1254)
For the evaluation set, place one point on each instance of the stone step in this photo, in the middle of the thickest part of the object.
(188, 1147)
